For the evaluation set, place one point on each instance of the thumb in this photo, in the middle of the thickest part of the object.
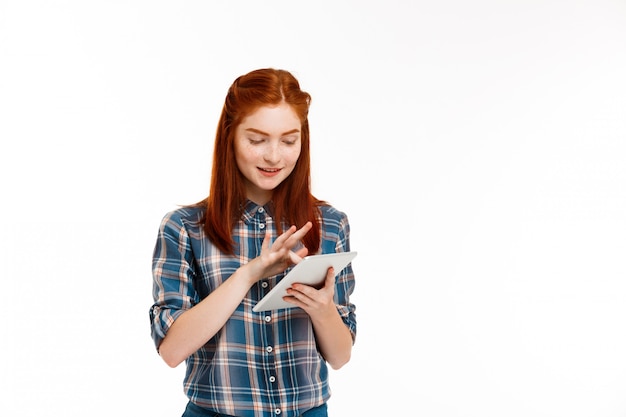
(330, 277)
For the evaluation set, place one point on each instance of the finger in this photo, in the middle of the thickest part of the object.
(302, 252)
(293, 300)
(293, 257)
(285, 235)
(301, 296)
(266, 240)
(292, 236)
(299, 234)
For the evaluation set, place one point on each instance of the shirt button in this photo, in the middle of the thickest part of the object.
(264, 284)
(268, 319)
(261, 210)
(272, 378)
(269, 349)
(262, 226)
(277, 411)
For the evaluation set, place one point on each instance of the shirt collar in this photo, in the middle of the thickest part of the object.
(250, 209)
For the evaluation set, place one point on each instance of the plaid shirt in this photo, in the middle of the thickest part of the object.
(259, 364)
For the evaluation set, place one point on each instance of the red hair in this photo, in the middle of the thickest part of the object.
(292, 199)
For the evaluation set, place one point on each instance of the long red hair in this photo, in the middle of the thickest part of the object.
(292, 199)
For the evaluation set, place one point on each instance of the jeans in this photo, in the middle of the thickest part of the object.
(193, 410)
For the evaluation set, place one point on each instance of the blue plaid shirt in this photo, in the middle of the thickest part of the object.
(258, 364)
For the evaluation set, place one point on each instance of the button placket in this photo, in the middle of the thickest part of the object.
(264, 224)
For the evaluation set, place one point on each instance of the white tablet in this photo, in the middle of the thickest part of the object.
(311, 270)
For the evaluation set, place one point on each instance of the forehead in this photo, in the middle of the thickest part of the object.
(272, 118)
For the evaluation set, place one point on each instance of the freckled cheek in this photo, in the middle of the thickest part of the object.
(247, 160)
(292, 156)
(253, 155)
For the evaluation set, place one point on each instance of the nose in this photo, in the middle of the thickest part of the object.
(271, 154)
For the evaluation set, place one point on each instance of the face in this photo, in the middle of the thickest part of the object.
(267, 147)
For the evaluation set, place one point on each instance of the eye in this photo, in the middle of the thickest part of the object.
(255, 140)
(290, 140)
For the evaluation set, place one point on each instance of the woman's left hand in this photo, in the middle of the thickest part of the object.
(333, 337)
(314, 301)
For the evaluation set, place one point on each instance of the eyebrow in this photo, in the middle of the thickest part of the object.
(260, 132)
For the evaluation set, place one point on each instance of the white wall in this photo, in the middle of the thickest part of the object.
(485, 145)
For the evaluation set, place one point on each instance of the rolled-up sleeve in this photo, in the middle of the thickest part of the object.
(336, 238)
(345, 281)
(173, 290)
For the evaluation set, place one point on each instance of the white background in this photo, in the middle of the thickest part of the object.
(482, 146)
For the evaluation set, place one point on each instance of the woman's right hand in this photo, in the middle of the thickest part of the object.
(279, 256)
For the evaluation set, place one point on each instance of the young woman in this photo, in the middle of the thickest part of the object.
(214, 260)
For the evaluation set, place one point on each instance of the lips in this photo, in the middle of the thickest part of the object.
(269, 171)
